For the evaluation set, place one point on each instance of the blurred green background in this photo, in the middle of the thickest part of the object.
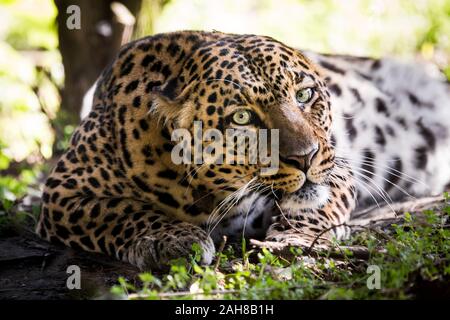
(32, 72)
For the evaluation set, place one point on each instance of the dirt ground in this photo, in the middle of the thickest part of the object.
(33, 269)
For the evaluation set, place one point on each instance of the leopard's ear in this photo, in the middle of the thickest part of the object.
(168, 106)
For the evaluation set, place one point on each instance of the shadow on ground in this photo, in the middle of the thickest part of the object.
(33, 269)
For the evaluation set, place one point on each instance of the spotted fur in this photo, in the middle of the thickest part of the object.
(116, 190)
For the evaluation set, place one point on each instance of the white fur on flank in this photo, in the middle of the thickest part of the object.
(413, 125)
(88, 99)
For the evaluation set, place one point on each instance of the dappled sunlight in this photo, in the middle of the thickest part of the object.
(24, 128)
(30, 132)
(358, 27)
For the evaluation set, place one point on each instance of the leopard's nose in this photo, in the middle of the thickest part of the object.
(303, 161)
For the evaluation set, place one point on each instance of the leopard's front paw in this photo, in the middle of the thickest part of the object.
(180, 246)
(156, 251)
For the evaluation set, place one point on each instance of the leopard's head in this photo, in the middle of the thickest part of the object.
(250, 86)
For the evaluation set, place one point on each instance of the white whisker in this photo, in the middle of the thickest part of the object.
(229, 201)
(384, 179)
(380, 191)
(398, 174)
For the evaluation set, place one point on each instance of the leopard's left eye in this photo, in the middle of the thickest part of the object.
(304, 95)
(242, 117)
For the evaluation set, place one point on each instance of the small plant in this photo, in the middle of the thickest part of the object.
(407, 254)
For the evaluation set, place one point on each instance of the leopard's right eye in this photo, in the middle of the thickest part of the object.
(304, 96)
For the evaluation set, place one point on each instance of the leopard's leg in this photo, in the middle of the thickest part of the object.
(305, 228)
(127, 229)
(316, 227)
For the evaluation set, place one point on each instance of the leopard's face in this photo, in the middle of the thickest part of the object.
(244, 87)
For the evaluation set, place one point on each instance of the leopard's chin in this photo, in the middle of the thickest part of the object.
(309, 196)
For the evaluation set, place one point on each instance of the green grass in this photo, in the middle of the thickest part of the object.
(413, 258)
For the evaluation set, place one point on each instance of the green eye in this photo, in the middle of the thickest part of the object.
(242, 117)
(305, 95)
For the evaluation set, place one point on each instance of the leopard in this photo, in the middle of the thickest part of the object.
(350, 130)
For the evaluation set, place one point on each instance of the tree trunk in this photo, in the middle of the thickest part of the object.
(86, 51)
